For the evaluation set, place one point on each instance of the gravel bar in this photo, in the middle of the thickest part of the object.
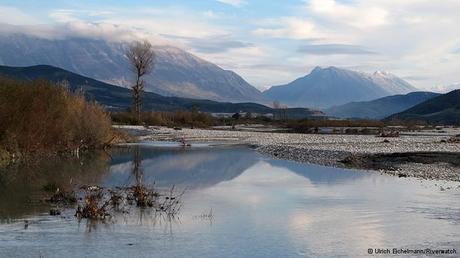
(328, 149)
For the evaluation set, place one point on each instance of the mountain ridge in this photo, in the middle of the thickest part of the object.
(176, 73)
(444, 109)
(380, 108)
(331, 86)
(116, 98)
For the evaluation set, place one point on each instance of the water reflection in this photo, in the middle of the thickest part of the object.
(21, 186)
(260, 207)
(320, 174)
(185, 168)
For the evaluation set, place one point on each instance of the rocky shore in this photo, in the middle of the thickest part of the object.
(429, 155)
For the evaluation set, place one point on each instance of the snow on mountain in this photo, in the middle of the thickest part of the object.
(446, 88)
(332, 86)
(391, 82)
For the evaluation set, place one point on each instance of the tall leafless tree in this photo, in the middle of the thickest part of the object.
(277, 108)
(141, 59)
(280, 109)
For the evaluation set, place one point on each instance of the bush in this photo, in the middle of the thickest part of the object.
(39, 117)
(178, 118)
(307, 125)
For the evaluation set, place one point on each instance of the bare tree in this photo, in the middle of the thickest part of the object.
(283, 109)
(141, 59)
(277, 107)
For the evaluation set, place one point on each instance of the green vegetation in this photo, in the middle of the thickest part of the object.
(40, 118)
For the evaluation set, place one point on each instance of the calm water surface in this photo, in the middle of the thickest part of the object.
(260, 207)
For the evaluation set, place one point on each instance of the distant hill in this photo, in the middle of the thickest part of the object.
(118, 98)
(332, 86)
(176, 73)
(380, 108)
(444, 109)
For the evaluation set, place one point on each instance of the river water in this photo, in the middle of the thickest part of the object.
(237, 203)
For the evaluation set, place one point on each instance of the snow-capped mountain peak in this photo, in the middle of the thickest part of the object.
(325, 87)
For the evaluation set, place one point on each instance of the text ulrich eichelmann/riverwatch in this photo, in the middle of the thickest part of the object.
(405, 251)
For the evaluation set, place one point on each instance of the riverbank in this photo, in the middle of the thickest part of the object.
(394, 156)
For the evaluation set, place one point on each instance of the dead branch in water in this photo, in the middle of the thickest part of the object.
(101, 203)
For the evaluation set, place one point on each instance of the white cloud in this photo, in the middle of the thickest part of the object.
(235, 3)
(288, 27)
(14, 16)
(70, 15)
(363, 14)
(63, 15)
(413, 38)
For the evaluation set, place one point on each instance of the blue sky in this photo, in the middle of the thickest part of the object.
(271, 42)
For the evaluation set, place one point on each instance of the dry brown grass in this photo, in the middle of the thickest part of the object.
(337, 123)
(177, 118)
(102, 203)
(40, 117)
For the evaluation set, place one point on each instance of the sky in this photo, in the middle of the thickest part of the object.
(271, 42)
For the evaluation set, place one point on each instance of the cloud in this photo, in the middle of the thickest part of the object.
(456, 49)
(334, 49)
(445, 88)
(409, 38)
(288, 27)
(63, 15)
(235, 3)
(212, 44)
(415, 77)
(15, 16)
(80, 29)
(70, 15)
(361, 14)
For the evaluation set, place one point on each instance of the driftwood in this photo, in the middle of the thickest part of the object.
(392, 134)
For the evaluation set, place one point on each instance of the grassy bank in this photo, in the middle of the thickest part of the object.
(40, 118)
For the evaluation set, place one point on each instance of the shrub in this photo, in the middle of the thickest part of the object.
(307, 125)
(40, 117)
(177, 118)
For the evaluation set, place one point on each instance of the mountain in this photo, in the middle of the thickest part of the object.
(176, 73)
(332, 86)
(116, 98)
(192, 169)
(444, 109)
(446, 88)
(380, 108)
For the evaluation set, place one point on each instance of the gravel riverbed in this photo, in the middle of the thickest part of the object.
(332, 150)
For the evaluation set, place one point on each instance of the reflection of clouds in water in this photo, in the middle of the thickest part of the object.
(165, 163)
(192, 168)
(262, 174)
(268, 188)
(263, 207)
(184, 161)
(352, 215)
(259, 184)
(316, 230)
(123, 168)
(299, 220)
